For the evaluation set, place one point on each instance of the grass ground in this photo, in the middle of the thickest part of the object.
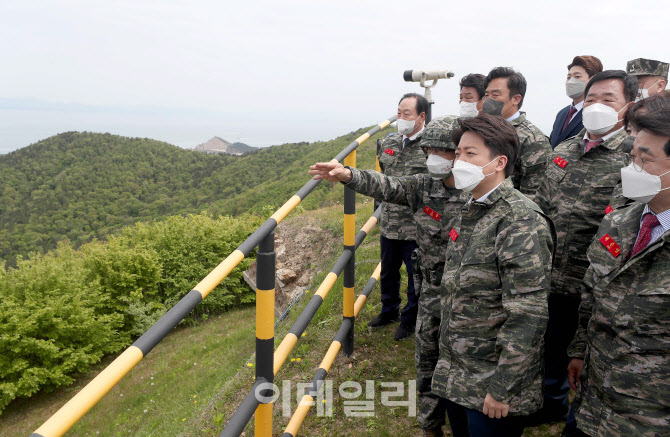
(202, 373)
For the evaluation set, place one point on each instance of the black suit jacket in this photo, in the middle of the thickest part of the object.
(573, 127)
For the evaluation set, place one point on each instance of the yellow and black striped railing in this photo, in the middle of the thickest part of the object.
(243, 414)
(322, 372)
(58, 424)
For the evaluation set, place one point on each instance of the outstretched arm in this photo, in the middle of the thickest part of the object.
(331, 171)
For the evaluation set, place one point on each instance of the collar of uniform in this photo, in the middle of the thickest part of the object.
(626, 222)
(437, 188)
(440, 191)
(611, 141)
(500, 191)
(415, 136)
(514, 116)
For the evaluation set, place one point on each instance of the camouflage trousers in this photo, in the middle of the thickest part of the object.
(430, 412)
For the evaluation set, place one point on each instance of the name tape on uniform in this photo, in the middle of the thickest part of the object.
(434, 215)
(611, 245)
(560, 162)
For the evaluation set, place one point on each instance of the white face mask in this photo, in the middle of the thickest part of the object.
(640, 186)
(599, 118)
(643, 93)
(467, 176)
(468, 109)
(406, 127)
(438, 167)
(574, 88)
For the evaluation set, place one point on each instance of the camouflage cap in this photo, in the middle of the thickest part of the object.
(438, 136)
(647, 67)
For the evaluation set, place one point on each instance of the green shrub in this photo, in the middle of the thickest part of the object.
(53, 323)
(63, 311)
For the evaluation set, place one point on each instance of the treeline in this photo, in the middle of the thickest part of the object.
(81, 186)
(63, 311)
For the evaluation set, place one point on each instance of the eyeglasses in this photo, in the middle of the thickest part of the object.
(632, 159)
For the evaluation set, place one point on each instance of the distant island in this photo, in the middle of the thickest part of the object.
(219, 145)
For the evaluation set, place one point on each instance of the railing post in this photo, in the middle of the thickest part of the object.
(349, 270)
(265, 314)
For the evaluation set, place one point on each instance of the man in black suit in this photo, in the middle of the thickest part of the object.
(569, 119)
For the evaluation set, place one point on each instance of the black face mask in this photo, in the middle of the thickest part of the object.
(627, 145)
(492, 107)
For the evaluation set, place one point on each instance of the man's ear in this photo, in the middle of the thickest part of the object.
(502, 163)
(517, 99)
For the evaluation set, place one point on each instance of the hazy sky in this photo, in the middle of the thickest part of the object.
(268, 72)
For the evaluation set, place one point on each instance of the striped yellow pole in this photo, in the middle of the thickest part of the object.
(265, 331)
(349, 269)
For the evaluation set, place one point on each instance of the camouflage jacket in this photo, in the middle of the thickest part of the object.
(624, 332)
(397, 222)
(575, 194)
(532, 158)
(435, 207)
(494, 305)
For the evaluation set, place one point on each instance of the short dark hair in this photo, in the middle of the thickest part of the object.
(476, 81)
(591, 64)
(498, 135)
(652, 103)
(515, 81)
(421, 102)
(629, 83)
(655, 119)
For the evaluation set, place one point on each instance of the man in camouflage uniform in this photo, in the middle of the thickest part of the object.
(495, 284)
(436, 204)
(622, 347)
(505, 91)
(400, 155)
(652, 76)
(575, 194)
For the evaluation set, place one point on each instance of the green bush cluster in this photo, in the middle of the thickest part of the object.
(63, 311)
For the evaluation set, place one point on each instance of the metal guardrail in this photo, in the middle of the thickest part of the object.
(58, 424)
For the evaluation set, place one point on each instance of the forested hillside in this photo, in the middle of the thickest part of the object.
(80, 186)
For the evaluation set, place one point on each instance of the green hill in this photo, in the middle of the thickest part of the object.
(81, 186)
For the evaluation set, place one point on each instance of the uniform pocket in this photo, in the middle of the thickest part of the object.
(604, 185)
(555, 173)
(642, 378)
(387, 160)
(652, 317)
(600, 259)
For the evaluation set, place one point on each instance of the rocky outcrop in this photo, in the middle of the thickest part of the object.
(219, 145)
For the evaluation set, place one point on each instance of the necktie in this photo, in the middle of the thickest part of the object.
(591, 144)
(567, 120)
(649, 222)
(405, 142)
